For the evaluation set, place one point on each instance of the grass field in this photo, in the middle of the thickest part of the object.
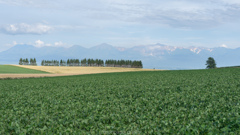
(158, 102)
(10, 69)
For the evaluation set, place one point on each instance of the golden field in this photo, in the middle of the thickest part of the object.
(81, 70)
(68, 71)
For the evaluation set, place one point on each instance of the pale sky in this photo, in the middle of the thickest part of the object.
(124, 23)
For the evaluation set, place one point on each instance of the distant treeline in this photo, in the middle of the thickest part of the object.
(93, 63)
(123, 63)
(32, 62)
(50, 63)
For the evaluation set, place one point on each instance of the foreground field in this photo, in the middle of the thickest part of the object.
(166, 102)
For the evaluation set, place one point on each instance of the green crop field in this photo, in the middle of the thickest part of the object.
(9, 69)
(156, 102)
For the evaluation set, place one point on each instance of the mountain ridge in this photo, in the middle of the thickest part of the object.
(157, 56)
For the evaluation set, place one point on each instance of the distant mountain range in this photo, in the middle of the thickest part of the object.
(156, 56)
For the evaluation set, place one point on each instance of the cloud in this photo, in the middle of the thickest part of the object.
(231, 1)
(60, 44)
(23, 28)
(223, 45)
(185, 13)
(15, 43)
(192, 14)
(39, 44)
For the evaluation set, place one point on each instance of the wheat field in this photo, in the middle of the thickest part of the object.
(68, 71)
(81, 70)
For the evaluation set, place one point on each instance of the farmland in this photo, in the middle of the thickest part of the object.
(26, 71)
(156, 102)
(81, 70)
(6, 69)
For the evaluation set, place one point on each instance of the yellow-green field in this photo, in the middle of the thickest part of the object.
(81, 70)
(64, 71)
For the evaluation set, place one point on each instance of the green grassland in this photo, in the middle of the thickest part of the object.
(156, 102)
(9, 69)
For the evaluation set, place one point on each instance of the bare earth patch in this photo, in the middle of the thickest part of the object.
(68, 71)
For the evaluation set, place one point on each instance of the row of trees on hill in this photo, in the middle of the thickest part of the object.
(32, 61)
(97, 63)
(73, 62)
(50, 63)
(93, 63)
(123, 63)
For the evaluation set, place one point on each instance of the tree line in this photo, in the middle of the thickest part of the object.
(50, 63)
(32, 61)
(124, 63)
(97, 63)
(93, 63)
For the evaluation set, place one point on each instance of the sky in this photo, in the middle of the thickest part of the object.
(122, 23)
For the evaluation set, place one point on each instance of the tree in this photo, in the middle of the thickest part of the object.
(27, 62)
(31, 61)
(61, 62)
(84, 62)
(68, 62)
(211, 63)
(34, 62)
(20, 61)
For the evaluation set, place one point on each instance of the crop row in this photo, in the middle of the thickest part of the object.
(161, 102)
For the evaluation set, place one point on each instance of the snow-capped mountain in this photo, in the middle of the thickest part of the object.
(157, 56)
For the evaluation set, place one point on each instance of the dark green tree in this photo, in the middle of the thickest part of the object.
(211, 63)
(84, 62)
(31, 61)
(68, 62)
(34, 62)
(61, 62)
(20, 61)
(27, 62)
